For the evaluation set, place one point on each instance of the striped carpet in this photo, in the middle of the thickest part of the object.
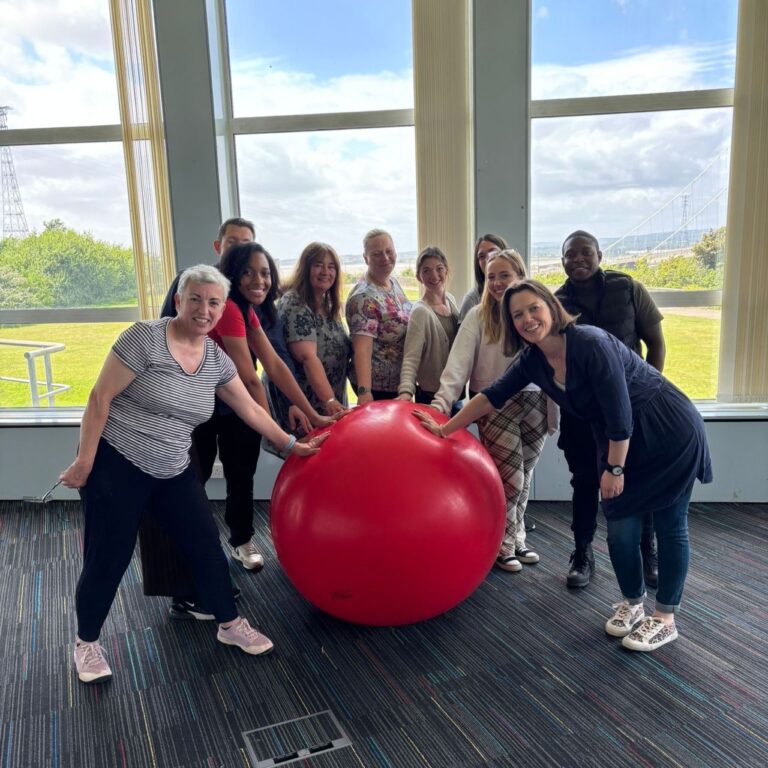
(521, 674)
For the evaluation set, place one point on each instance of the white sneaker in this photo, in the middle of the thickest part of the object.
(527, 556)
(242, 635)
(626, 616)
(650, 634)
(248, 556)
(509, 563)
(90, 663)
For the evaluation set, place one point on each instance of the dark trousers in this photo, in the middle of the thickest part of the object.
(164, 570)
(115, 498)
(380, 394)
(578, 445)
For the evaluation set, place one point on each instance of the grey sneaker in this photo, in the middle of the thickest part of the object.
(625, 618)
(650, 634)
(245, 637)
(248, 556)
(90, 663)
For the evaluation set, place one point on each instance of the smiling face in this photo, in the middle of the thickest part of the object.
(581, 258)
(499, 275)
(531, 316)
(256, 279)
(200, 307)
(381, 257)
(432, 274)
(322, 273)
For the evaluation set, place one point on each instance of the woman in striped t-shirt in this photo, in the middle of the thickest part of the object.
(157, 384)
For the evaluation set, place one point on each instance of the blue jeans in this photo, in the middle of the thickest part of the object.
(624, 535)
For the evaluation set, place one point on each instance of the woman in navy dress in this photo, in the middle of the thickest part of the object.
(650, 438)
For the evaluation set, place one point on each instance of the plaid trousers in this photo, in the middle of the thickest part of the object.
(514, 436)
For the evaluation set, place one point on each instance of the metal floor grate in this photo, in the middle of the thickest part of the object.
(299, 739)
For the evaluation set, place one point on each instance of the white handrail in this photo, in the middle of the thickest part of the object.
(42, 349)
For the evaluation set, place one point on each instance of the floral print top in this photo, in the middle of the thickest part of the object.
(333, 346)
(374, 311)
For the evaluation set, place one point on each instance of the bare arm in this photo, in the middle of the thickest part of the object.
(237, 349)
(613, 485)
(114, 377)
(653, 338)
(279, 372)
(305, 353)
(362, 354)
(475, 409)
(236, 396)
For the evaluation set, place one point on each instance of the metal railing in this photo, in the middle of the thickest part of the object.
(42, 349)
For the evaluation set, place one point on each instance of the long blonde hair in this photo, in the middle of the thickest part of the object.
(490, 309)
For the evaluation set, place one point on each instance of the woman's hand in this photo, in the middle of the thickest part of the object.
(405, 396)
(611, 486)
(297, 419)
(429, 423)
(309, 446)
(318, 421)
(334, 408)
(366, 398)
(75, 475)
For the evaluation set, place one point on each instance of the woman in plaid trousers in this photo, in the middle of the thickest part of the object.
(514, 434)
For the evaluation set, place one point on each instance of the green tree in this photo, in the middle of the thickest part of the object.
(60, 267)
(710, 249)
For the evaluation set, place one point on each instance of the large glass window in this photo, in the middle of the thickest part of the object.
(652, 186)
(331, 186)
(66, 261)
(612, 47)
(304, 57)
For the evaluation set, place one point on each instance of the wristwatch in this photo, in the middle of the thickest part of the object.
(615, 469)
(362, 391)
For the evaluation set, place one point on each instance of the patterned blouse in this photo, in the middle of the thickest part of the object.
(373, 311)
(333, 346)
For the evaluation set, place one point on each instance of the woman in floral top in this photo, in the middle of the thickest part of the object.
(377, 314)
(310, 312)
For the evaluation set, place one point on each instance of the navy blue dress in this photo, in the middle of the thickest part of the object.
(621, 397)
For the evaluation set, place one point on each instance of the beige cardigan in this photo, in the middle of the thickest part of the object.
(426, 349)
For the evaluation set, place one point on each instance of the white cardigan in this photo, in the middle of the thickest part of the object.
(426, 349)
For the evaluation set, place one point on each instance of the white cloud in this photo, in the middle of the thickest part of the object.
(542, 12)
(671, 68)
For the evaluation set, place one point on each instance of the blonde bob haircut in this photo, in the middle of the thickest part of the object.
(490, 309)
(300, 284)
(560, 318)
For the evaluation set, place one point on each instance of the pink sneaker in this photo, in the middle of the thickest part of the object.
(90, 663)
(245, 637)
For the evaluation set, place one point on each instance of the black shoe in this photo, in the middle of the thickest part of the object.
(530, 525)
(184, 610)
(650, 563)
(582, 567)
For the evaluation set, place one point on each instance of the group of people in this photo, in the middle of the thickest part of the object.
(177, 391)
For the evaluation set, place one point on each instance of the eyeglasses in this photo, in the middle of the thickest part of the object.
(42, 499)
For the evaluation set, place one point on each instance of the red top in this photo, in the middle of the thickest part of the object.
(232, 323)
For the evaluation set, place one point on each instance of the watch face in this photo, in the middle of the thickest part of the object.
(617, 471)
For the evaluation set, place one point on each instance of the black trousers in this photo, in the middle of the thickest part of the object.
(115, 499)
(164, 571)
(578, 444)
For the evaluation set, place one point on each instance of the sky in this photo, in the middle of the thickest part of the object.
(605, 174)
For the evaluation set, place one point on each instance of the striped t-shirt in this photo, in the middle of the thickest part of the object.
(151, 421)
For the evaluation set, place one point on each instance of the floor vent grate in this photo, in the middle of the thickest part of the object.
(299, 739)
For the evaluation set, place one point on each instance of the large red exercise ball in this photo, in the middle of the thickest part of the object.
(388, 524)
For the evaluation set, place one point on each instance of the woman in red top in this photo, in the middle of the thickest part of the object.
(249, 268)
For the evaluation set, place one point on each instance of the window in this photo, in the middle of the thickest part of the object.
(65, 247)
(630, 140)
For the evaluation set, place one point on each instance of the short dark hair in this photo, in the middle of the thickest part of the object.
(560, 318)
(582, 234)
(235, 221)
(497, 240)
(232, 265)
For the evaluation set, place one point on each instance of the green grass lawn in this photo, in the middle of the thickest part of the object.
(692, 354)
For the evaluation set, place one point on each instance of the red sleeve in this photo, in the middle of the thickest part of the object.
(231, 323)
